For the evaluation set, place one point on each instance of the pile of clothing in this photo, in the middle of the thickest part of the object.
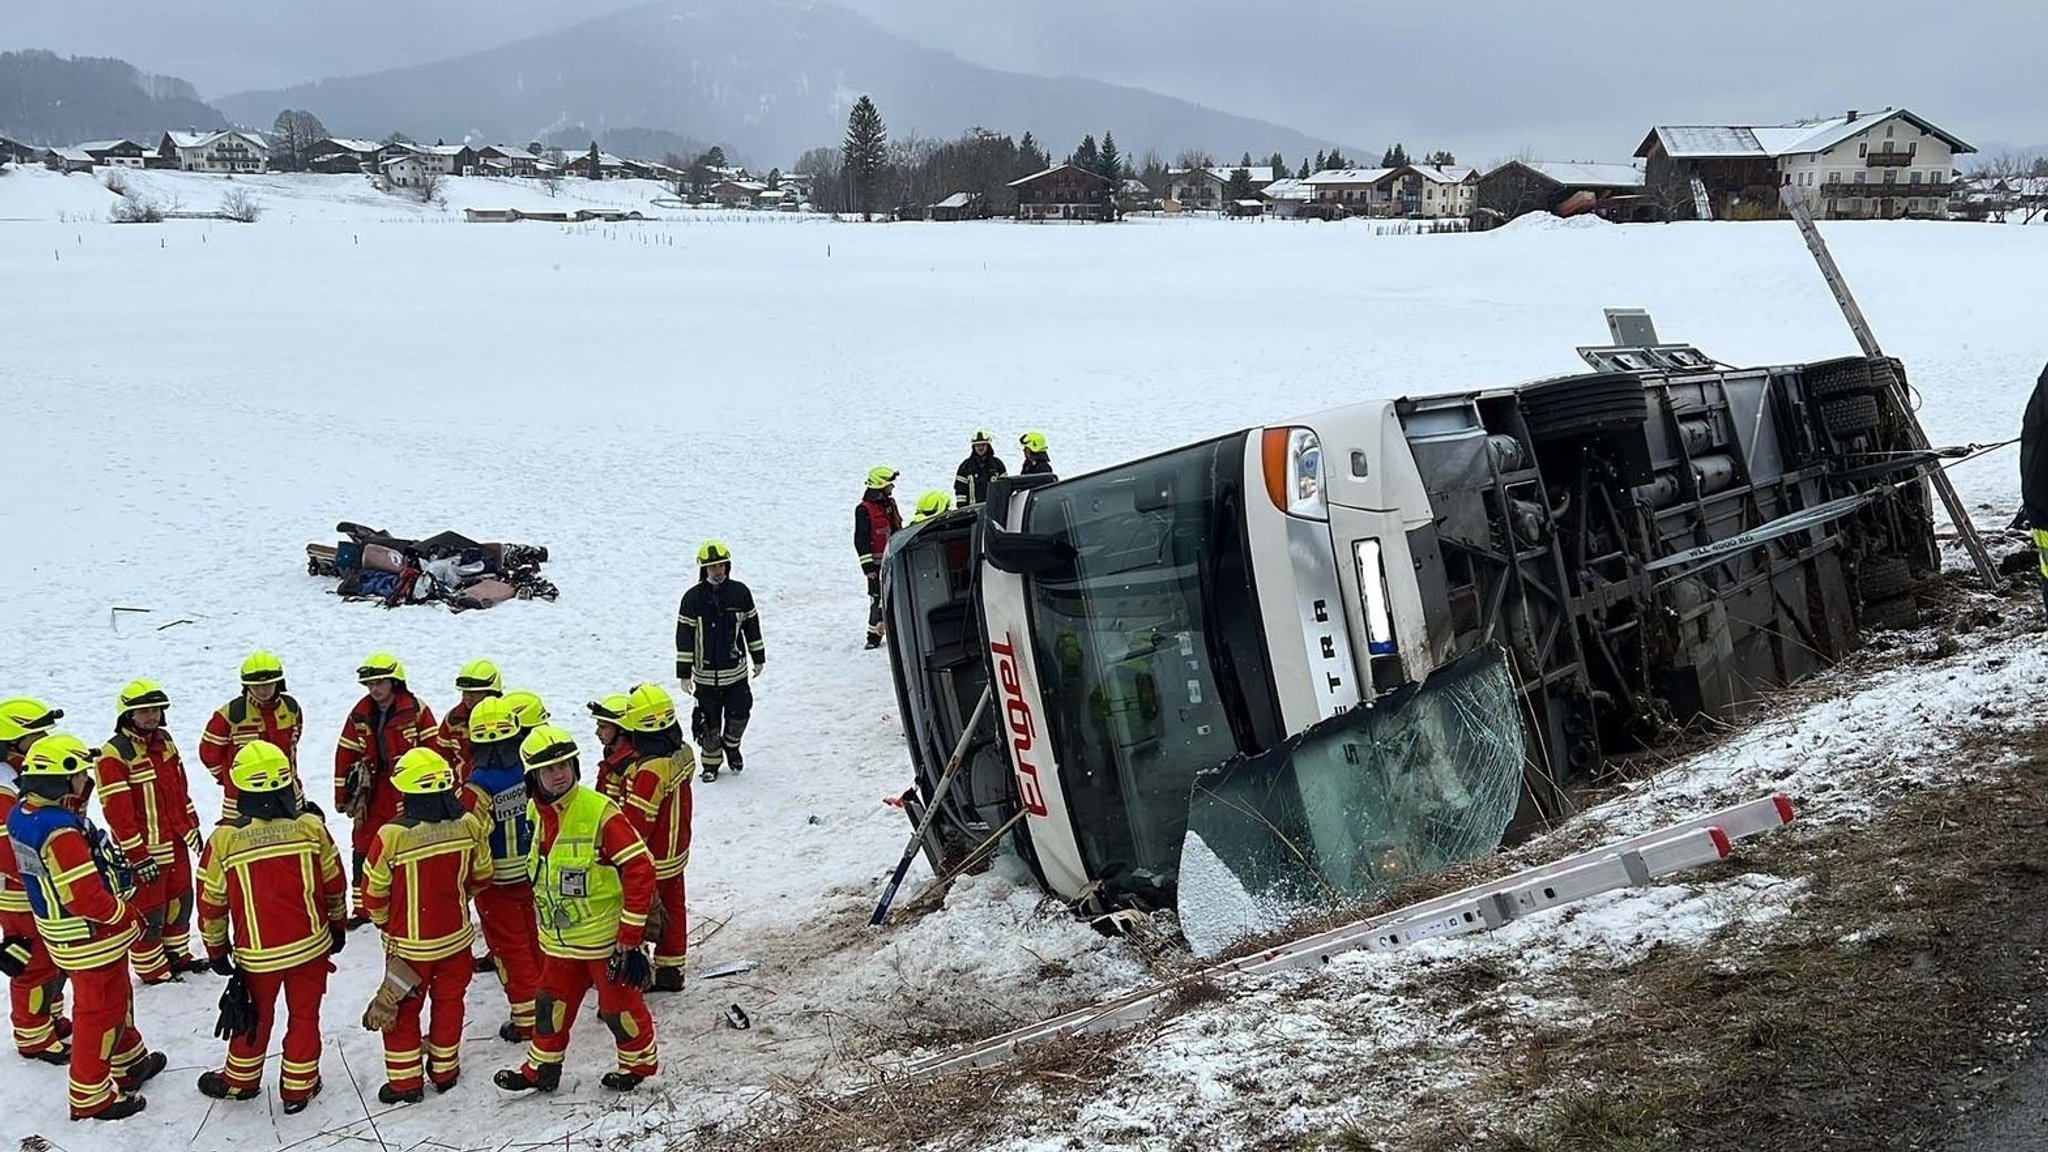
(448, 568)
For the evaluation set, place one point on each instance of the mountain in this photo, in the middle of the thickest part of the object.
(49, 99)
(766, 78)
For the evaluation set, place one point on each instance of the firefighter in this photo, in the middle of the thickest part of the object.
(271, 879)
(2034, 473)
(35, 984)
(875, 519)
(594, 883)
(718, 634)
(932, 503)
(424, 867)
(264, 711)
(1037, 459)
(654, 792)
(978, 472)
(385, 724)
(496, 796)
(616, 742)
(148, 806)
(72, 879)
(478, 681)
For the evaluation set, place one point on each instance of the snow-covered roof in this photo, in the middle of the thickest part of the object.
(75, 155)
(1573, 174)
(403, 158)
(349, 144)
(1049, 171)
(188, 140)
(107, 145)
(743, 185)
(1348, 176)
(507, 150)
(956, 200)
(1447, 174)
(1705, 141)
(1288, 190)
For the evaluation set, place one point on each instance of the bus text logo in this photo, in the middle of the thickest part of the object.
(1023, 726)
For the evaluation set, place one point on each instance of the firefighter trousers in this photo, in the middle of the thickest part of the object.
(672, 945)
(563, 984)
(439, 994)
(37, 995)
(166, 907)
(506, 912)
(720, 720)
(104, 1042)
(303, 987)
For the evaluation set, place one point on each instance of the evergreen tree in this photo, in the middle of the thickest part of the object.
(774, 179)
(1304, 173)
(1245, 161)
(1339, 160)
(1322, 163)
(1395, 157)
(1440, 156)
(1239, 186)
(1087, 155)
(1030, 157)
(1111, 162)
(1278, 163)
(865, 153)
(596, 164)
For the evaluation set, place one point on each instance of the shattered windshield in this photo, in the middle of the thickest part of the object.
(1351, 808)
(1144, 646)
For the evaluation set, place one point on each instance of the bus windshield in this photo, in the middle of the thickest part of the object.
(1149, 649)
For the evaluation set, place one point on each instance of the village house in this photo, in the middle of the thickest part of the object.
(1611, 191)
(1065, 192)
(1882, 165)
(958, 206)
(1203, 189)
(1433, 191)
(67, 160)
(115, 153)
(343, 156)
(1343, 192)
(15, 152)
(737, 193)
(506, 160)
(226, 151)
(409, 170)
(1286, 198)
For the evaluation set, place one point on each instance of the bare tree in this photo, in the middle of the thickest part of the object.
(1193, 158)
(240, 207)
(430, 188)
(295, 134)
(550, 170)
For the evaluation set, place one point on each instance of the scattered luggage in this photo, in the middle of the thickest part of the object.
(446, 568)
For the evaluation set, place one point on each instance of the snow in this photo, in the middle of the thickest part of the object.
(722, 375)
(1573, 174)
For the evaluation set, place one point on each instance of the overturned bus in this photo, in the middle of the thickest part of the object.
(1312, 659)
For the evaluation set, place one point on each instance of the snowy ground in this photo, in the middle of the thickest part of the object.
(188, 404)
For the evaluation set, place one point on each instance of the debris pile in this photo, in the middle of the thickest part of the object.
(447, 568)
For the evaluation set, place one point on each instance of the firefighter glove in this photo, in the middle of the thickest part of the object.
(689, 687)
(760, 666)
(630, 967)
(337, 937)
(193, 844)
(222, 966)
(15, 952)
(147, 871)
(237, 1009)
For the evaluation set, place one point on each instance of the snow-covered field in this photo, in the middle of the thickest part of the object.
(187, 404)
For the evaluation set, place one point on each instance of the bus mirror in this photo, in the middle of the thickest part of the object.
(1026, 553)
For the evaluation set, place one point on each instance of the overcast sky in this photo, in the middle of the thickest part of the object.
(1485, 79)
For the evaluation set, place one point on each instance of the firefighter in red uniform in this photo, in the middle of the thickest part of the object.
(875, 519)
(264, 711)
(423, 868)
(35, 983)
(271, 877)
(496, 798)
(653, 790)
(88, 927)
(616, 742)
(149, 811)
(478, 681)
(593, 882)
(385, 724)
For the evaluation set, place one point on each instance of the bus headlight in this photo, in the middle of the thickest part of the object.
(1293, 465)
(1372, 584)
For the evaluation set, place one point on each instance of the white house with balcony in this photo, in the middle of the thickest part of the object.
(228, 151)
(1202, 189)
(1881, 165)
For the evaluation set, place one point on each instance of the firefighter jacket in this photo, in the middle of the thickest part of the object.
(237, 723)
(372, 740)
(976, 476)
(654, 793)
(451, 740)
(593, 877)
(418, 880)
(72, 887)
(272, 887)
(2034, 454)
(611, 768)
(1036, 463)
(143, 792)
(13, 897)
(496, 798)
(718, 632)
(875, 519)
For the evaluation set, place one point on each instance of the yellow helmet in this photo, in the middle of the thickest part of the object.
(526, 709)
(491, 721)
(545, 745)
(933, 503)
(261, 767)
(649, 708)
(23, 716)
(143, 694)
(479, 676)
(881, 476)
(714, 552)
(381, 666)
(262, 668)
(612, 709)
(1032, 441)
(981, 436)
(58, 754)
(421, 772)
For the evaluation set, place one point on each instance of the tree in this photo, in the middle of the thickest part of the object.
(1193, 158)
(549, 170)
(1322, 162)
(1440, 156)
(774, 179)
(594, 163)
(865, 153)
(396, 138)
(824, 167)
(1239, 186)
(239, 206)
(294, 136)
(1278, 164)
(1395, 157)
(1030, 157)
(1111, 162)
(1087, 155)
(1304, 173)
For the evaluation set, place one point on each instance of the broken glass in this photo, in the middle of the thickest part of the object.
(1344, 812)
